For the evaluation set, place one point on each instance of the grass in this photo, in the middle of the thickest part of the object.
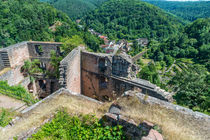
(146, 61)
(5, 117)
(17, 92)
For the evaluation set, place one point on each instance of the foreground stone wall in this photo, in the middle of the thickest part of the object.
(70, 71)
(177, 122)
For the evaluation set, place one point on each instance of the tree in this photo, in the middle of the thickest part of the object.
(150, 73)
(55, 62)
(31, 67)
(71, 43)
(192, 88)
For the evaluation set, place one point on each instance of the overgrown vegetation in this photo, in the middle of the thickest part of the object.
(83, 127)
(31, 67)
(5, 117)
(17, 92)
(132, 19)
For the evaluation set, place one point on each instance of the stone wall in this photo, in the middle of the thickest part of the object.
(13, 76)
(94, 83)
(14, 56)
(17, 54)
(174, 119)
(106, 77)
(70, 71)
(20, 52)
(1, 64)
(42, 50)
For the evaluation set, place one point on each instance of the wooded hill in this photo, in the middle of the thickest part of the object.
(193, 42)
(189, 11)
(130, 19)
(75, 8)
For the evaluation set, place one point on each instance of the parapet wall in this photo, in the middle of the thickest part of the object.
(70, 71)
(175, 120)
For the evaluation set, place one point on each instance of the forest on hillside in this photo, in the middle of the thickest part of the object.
(181, 65)
(75, 8)
(132, 19)
(188, 11)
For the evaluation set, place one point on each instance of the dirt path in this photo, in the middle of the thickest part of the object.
(10, 103)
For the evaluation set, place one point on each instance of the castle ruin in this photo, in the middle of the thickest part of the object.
(100, 76)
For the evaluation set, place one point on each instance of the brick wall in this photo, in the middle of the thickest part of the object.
(70, 71)
(94, 83)
(96, 79)
(106, 77)
(17, 54)
(42, 50)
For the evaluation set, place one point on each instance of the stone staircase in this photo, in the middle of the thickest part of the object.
(5, 59)
(20, 108)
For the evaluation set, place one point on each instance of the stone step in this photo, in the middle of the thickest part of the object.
(3, 52)
(5, 59)
(21, 108)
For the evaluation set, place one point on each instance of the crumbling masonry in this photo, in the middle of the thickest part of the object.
(103, 76)
(13, 57)
(100, 76)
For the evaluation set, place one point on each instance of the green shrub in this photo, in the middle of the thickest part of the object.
(17, 92)
(5, 117)
(84, 127)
